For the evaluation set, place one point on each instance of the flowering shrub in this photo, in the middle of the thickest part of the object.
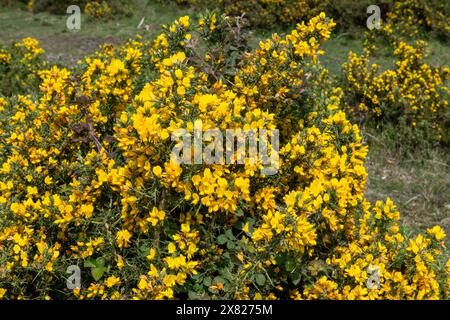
(262, 13)
(411, 94)
(97, 10)
(18, 65)
(410, 17)
(52, 6)
(269, 13)
(87, 180)
(94, 9)
(401, 16)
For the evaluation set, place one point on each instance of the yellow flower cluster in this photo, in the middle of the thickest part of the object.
(18, 65)
(87, 179)
(405, 17)
(5, 57)
(97, 10)
(410, 17)
(412, 93)
(264, 13)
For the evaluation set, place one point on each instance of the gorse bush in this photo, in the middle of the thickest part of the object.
(95, 9)
(410, 17)
(19, 66)
(87, 179)
(52, 6)
(265, 14)
(405, 16)
(412, 94)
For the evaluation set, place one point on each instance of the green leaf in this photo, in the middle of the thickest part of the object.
(297, 281)
(290, 265)
(145, 248)
(197, 277)
(100, 262)
(260, 279)
(222, 239)
(280, 259)
(207, 281)
(230, 245)
(97, 273)
(194, 295)
(89, 263)
(229, 234)
(197, 287)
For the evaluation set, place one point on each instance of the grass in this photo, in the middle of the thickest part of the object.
(338, 47)
(68, 46)
(419, 183)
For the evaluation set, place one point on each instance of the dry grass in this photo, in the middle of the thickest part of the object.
(419, 182)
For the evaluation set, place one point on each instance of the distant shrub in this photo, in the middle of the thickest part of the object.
(97, 10)
(350, 14)
(412, 95)
(409, 16)
(11, 3)
(93, 8)
(19, 64)
(53, 6)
